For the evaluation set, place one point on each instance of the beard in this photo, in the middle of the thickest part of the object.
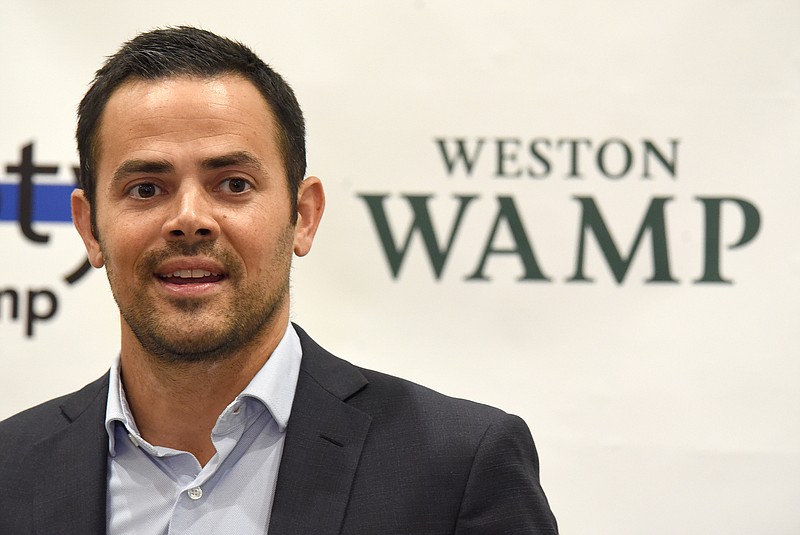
(190, 330)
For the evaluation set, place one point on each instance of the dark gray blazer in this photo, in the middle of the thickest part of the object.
(365, 453)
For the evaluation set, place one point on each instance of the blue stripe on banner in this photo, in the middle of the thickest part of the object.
(50, 203)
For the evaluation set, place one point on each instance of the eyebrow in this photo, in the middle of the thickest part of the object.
(136, 166)
(130, 167)
(243, 158)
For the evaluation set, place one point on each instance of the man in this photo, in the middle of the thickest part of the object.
(220, 416)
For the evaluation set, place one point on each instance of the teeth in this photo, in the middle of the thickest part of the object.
(191, 273)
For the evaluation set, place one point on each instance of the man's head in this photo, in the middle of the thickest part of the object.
(193, 198)
(187, 51)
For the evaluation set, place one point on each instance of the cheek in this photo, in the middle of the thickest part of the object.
(259, 253)
(123, 242)
(266, 254)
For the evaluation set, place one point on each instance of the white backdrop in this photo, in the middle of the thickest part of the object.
(657, 407)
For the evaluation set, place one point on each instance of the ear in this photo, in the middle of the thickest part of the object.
(82, 219)
(310, 205)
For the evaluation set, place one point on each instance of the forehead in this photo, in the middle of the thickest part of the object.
(187, 113)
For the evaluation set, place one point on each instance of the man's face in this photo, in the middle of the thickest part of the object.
(194, 219)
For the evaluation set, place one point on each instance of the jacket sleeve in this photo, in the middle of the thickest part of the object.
(503, 494)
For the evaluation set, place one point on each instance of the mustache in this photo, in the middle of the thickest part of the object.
(151, 260)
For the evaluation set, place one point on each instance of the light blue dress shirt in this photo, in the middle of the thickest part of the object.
(158, 490)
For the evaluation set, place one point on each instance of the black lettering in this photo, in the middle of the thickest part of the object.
(713, 235)
(26, 170)
(34, 314)
(421, 223)
(653, 222)
(504, 156)
(574, 168)
(509, 214)
(13, 298)
(627, 158)
(539, 157)
(461, 154)
(670, 165)
(76, 275)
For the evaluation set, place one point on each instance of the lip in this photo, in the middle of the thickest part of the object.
(207, 276)
(192, 262)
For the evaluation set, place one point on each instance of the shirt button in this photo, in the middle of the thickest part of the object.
(195, 493)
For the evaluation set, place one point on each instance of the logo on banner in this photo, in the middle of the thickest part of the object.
(570, 159)
(26, 204)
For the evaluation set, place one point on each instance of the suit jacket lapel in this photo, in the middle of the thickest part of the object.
(69, 467)
(323, 445)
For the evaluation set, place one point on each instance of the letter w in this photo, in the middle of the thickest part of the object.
(460, 154)
(422, 223)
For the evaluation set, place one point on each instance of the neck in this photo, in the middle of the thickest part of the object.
(176, 404)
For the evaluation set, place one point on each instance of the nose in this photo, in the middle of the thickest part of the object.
(192, 217)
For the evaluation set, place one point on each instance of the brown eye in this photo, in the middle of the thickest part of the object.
(144, 191)
(236, 185)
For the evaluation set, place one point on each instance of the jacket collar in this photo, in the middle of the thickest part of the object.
(323, 445)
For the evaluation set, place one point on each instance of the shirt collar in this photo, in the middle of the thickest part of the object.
(273, 385)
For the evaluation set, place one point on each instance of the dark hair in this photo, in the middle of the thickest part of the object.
(187, 51)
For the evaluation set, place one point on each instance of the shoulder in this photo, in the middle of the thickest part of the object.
(480, 459)
(397, 406)
(26, 428)
(463, 463)
(30, 455)
(29, 426)
(386, 396)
